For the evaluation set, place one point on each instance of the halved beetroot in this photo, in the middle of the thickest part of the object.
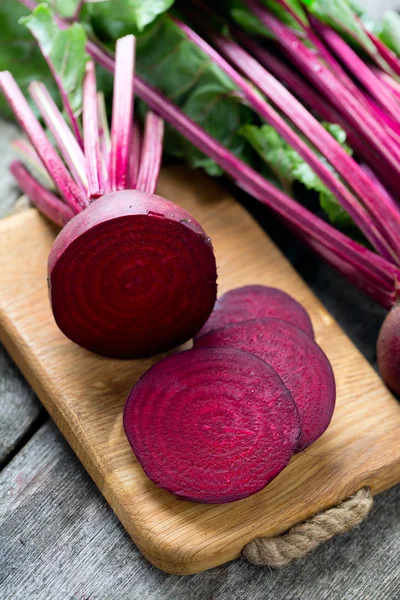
(212, 425)
(298, 360)
(256, 302)
(131, 276)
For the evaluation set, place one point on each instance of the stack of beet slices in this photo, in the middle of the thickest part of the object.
(217, 423)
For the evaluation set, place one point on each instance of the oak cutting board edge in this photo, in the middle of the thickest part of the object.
(85, 394)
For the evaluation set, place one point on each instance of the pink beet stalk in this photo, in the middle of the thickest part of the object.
(49, 157)
(322, 50)
(309, 225)
(390, 58)
(29, 156)
(91, 133)
(311, 98)
(360, 70)
(135, 155)
(317, 135)
(69, 147)
(358, 263)
(331, 86)
(122, 115)
(32, 4)
(43, 199)
(151, 153)
(104, 138)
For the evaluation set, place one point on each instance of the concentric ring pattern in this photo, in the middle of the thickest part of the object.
(133, 286)
(212, 425)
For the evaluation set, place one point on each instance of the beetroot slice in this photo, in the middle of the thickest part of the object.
(131, 276)
(256, 302)
(211, 425)
(298, 360)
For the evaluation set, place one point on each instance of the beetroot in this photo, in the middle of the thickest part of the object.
(388, 349)
(255, 302)
(298, 360)
(131, 274)
(211, 425)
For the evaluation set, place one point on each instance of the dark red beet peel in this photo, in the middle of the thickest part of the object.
(298, 360)
(212, 425)
(256, 302)
(388, 349)
(125, 276)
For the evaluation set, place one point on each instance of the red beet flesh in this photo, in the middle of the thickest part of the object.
(388, 350)
(212, 425)
(131, 276)
(256, 302)
(298, 360)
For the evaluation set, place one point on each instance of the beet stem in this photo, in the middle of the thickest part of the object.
(330, 85)
(303, 221)
(104, 139)
(91, 133)
(360, 70)
(48, 155)
(151, 153)
(135, 154)
(310, 98)
(29, 156)
(122, 112)
(313, 130)
(389, 57)
(292, 212)
(43, 199)
(69, 147)
(323, 51)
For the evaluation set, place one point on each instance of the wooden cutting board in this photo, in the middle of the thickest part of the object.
(85, 395)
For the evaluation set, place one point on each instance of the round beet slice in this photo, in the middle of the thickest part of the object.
(212, 425)
(256, 302)
(298, 360)
(131, 276)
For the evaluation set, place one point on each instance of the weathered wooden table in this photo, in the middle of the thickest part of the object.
(60, 540)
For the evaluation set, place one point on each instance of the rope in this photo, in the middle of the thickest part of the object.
(301, 539)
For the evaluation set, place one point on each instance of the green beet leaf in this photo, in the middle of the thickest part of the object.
(63, 49)
(19, 52)
(340, 15)
(390, 31)
(115, 18)
(289, 167)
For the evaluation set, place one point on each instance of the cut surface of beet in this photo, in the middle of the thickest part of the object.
(298, 360)
(256, 302)
(212, 425)
(125, 276)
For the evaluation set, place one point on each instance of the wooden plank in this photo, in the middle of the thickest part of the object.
(19, 408)
(85, 394)
(59, 540)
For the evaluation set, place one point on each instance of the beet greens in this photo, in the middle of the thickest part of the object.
(306, 61)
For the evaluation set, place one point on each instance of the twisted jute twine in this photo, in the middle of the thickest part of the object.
(276, 552)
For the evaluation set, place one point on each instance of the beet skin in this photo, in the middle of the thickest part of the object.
(298, 360)
(212, 425)
(131, 276)
(388, 350)
(257, 302)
